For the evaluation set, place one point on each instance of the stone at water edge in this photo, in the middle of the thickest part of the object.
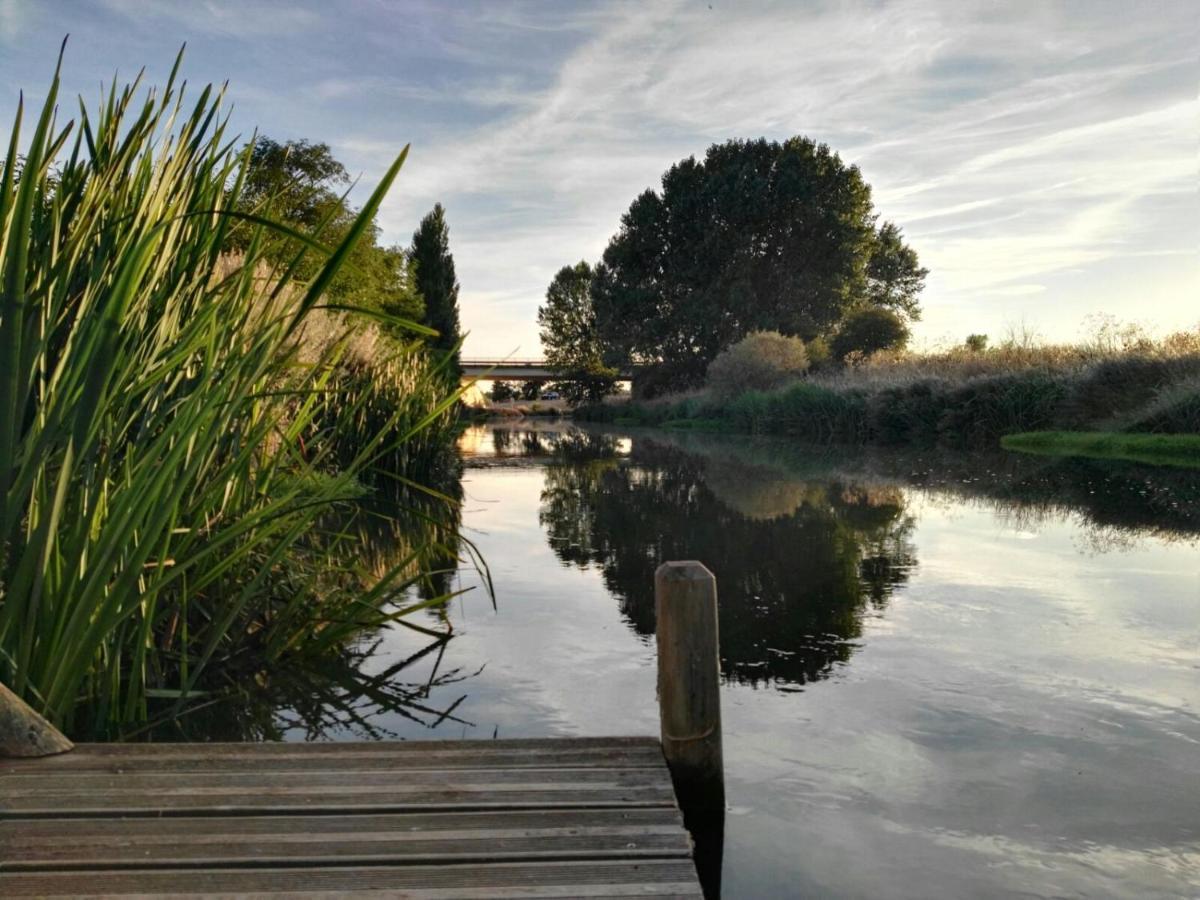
(24, 733)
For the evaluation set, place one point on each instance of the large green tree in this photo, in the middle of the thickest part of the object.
(437, 282)
(302, 185)
(570, 338)
(759, 235)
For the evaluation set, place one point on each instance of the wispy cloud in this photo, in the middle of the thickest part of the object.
(1012, 148)
(1042, 158)
(227, 17)
(11, 19)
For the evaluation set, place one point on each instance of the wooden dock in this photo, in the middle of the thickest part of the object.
(587, 817)
(594, 817)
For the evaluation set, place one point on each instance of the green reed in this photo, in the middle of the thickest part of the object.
(168, 452)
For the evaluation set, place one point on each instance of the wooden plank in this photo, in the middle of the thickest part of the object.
(84, 762)
(75, 830)
(266, 778)
(365, 848)
(385, 748)
(263, 855)
(440, 882)
(342, 840)
(344, 800)
(288, 757)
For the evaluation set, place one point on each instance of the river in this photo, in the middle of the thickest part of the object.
(943, 677)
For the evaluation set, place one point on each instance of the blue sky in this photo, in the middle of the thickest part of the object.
(1042, 157)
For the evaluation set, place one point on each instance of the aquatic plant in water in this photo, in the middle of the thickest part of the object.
(168, 455)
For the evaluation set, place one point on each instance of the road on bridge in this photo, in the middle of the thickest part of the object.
(517, 369)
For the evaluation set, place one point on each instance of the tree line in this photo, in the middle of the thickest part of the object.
(302, 185)
(757, 236)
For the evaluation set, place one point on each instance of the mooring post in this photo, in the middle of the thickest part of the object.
(689, 683)
(24, 733)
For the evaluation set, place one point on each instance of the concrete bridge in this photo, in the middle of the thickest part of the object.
(518, 369)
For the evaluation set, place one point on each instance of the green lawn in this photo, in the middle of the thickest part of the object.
(1156, 449)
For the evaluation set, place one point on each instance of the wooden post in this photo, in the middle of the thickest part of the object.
(24, 733)
(689, 683)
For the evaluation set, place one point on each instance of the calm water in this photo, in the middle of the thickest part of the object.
(943, 677)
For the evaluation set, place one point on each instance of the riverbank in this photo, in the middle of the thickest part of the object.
(1136, 500)
(957, 399)
(1181, 450)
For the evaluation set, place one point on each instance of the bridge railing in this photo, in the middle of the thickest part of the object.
(511, 361)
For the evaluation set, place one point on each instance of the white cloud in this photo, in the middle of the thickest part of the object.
(1009, 147)
(1018, 146)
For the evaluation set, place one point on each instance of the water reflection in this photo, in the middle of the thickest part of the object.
(1117, 500)
(347, 690)
(484, 447)
(352, 695)
(1014, 714)
(807, 545)
(798, 564)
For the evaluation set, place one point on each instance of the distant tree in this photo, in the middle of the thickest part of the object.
(976, 343)
(869, 331)
(531, 390)
(760, 361)
(757, 236)
(436, 281)
(302, 185)
(502, 392)
(569, 336)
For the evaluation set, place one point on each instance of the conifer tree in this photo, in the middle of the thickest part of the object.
(436, 281)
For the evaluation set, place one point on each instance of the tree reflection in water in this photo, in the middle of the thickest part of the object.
(798, 563)
(349, 688)
(806, 544)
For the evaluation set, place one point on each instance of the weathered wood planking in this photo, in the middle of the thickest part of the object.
(617, 878)
(497, 819)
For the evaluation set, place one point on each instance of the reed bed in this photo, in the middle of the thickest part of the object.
(1110, 344)
(960, 398)
(172, 450)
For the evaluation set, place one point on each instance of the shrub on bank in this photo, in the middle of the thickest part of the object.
(761, 361)
(869, 331)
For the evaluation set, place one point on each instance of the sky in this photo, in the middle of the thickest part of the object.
(1042, 157)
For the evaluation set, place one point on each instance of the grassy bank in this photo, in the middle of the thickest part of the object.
(179, 457)
(957, 399)
(1157, 449)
